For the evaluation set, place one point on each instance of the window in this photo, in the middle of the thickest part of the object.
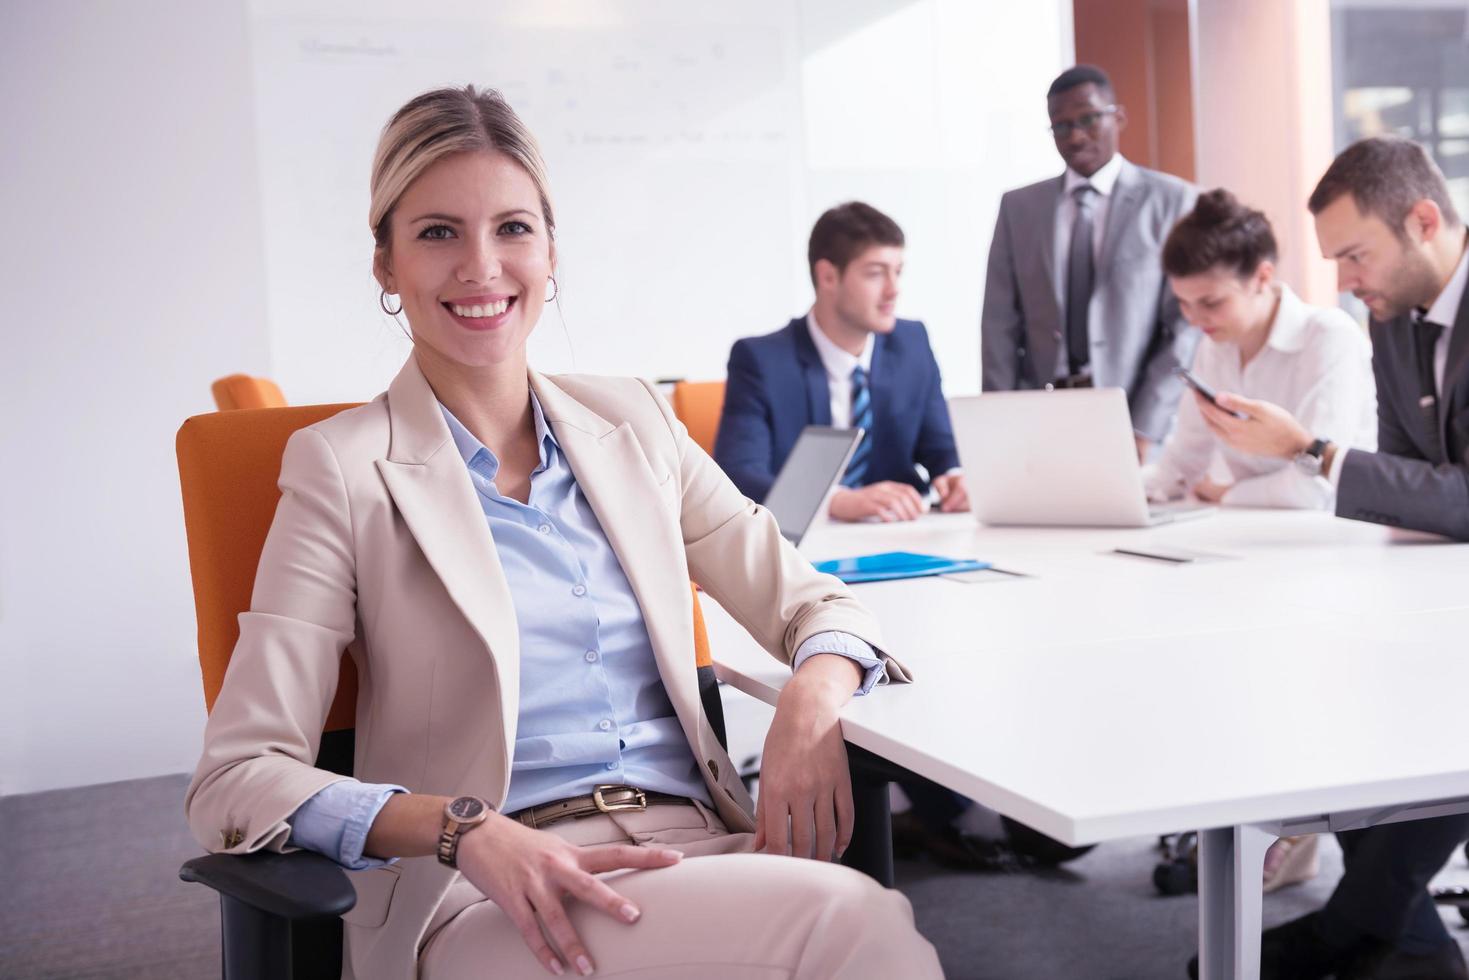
(1403, 69)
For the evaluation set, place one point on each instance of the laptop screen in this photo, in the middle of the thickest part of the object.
(816, 462)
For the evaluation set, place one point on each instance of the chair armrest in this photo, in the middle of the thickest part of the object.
(295, 886)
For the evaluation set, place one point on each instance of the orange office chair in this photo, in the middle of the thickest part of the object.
(242, 391)
(698, 405)
(279, 912)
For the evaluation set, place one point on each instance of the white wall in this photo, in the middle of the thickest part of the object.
(132, 255)
(186, 192)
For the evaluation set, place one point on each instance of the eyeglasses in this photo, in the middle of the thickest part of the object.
(1088, 121)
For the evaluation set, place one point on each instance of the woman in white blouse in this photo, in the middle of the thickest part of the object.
(1261, 341)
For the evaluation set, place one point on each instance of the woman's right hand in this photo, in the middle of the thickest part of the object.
(528, 873)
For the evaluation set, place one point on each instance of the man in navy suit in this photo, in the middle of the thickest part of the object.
(851, 362)
(848, 362)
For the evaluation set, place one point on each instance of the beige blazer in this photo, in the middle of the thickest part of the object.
(379, 547)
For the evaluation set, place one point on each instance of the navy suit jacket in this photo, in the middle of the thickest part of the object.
(777, 386)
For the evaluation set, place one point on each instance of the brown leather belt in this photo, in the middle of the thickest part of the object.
(604, 799)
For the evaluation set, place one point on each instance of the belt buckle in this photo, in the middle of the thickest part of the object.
(638, 802)
(1078, 380)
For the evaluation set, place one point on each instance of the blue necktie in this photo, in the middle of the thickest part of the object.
(856, 474)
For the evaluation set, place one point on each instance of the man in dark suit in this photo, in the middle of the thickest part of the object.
(1074, 295)
(849, 362)
(1383, 214)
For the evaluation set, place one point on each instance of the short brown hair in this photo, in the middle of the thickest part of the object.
(435, 124)
(1386, 176)
(846, 231)
(1219, 232)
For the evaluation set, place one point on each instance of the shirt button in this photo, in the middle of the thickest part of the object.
(605, 725)
(544, 529)
(611, 765)
(590, 656)
(578, 590)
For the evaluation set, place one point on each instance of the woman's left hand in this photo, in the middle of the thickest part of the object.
(805, 805)
(1210, 492)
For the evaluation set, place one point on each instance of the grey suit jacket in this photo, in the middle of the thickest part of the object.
(1140, 338)
(1419, 476)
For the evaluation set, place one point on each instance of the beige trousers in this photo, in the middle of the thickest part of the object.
(723, 912)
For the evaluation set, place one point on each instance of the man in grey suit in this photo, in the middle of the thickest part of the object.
(1075, 294)
(1383, 213)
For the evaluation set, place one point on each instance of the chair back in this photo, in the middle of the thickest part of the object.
(242, 391)
(228, 466)
(229, 463)
(698, 405)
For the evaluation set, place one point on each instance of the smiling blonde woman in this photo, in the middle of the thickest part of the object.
(505, 556)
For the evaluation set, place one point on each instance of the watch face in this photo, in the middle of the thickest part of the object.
(466, 808)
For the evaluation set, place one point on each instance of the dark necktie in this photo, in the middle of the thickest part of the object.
(856, 474)
(1080, 277)
(1425, 340)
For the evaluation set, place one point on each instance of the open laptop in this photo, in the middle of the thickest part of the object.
(815, 464)
(1064, 458)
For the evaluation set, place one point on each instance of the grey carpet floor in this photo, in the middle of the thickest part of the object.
(90, 890)
(92, 886)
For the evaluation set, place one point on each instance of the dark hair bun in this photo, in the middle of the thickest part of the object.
(1219, 207)
(1220, 232)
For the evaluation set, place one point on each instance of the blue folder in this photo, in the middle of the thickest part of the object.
(895, 565)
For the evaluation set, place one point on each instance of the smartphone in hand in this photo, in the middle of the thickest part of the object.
(1189, 379)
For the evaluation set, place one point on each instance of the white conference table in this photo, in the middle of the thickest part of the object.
(1308, 674)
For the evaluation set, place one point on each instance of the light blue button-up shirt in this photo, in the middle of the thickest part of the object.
(593, 708)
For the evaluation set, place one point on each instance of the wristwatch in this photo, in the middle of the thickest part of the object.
(460, 815)
(1309, 459)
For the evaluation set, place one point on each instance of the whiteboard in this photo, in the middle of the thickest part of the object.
(690, 147)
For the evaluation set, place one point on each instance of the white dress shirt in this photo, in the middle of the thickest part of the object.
(839, 364)
(1444, 311)
(1317, 365)
(1104, 181)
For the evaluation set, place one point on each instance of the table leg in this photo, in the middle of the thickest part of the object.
(871, 850)
(1231, 862)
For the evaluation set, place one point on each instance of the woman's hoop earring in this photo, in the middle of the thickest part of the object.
(382, 300)
(555, 289)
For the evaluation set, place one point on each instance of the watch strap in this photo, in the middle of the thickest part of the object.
(449, 843)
